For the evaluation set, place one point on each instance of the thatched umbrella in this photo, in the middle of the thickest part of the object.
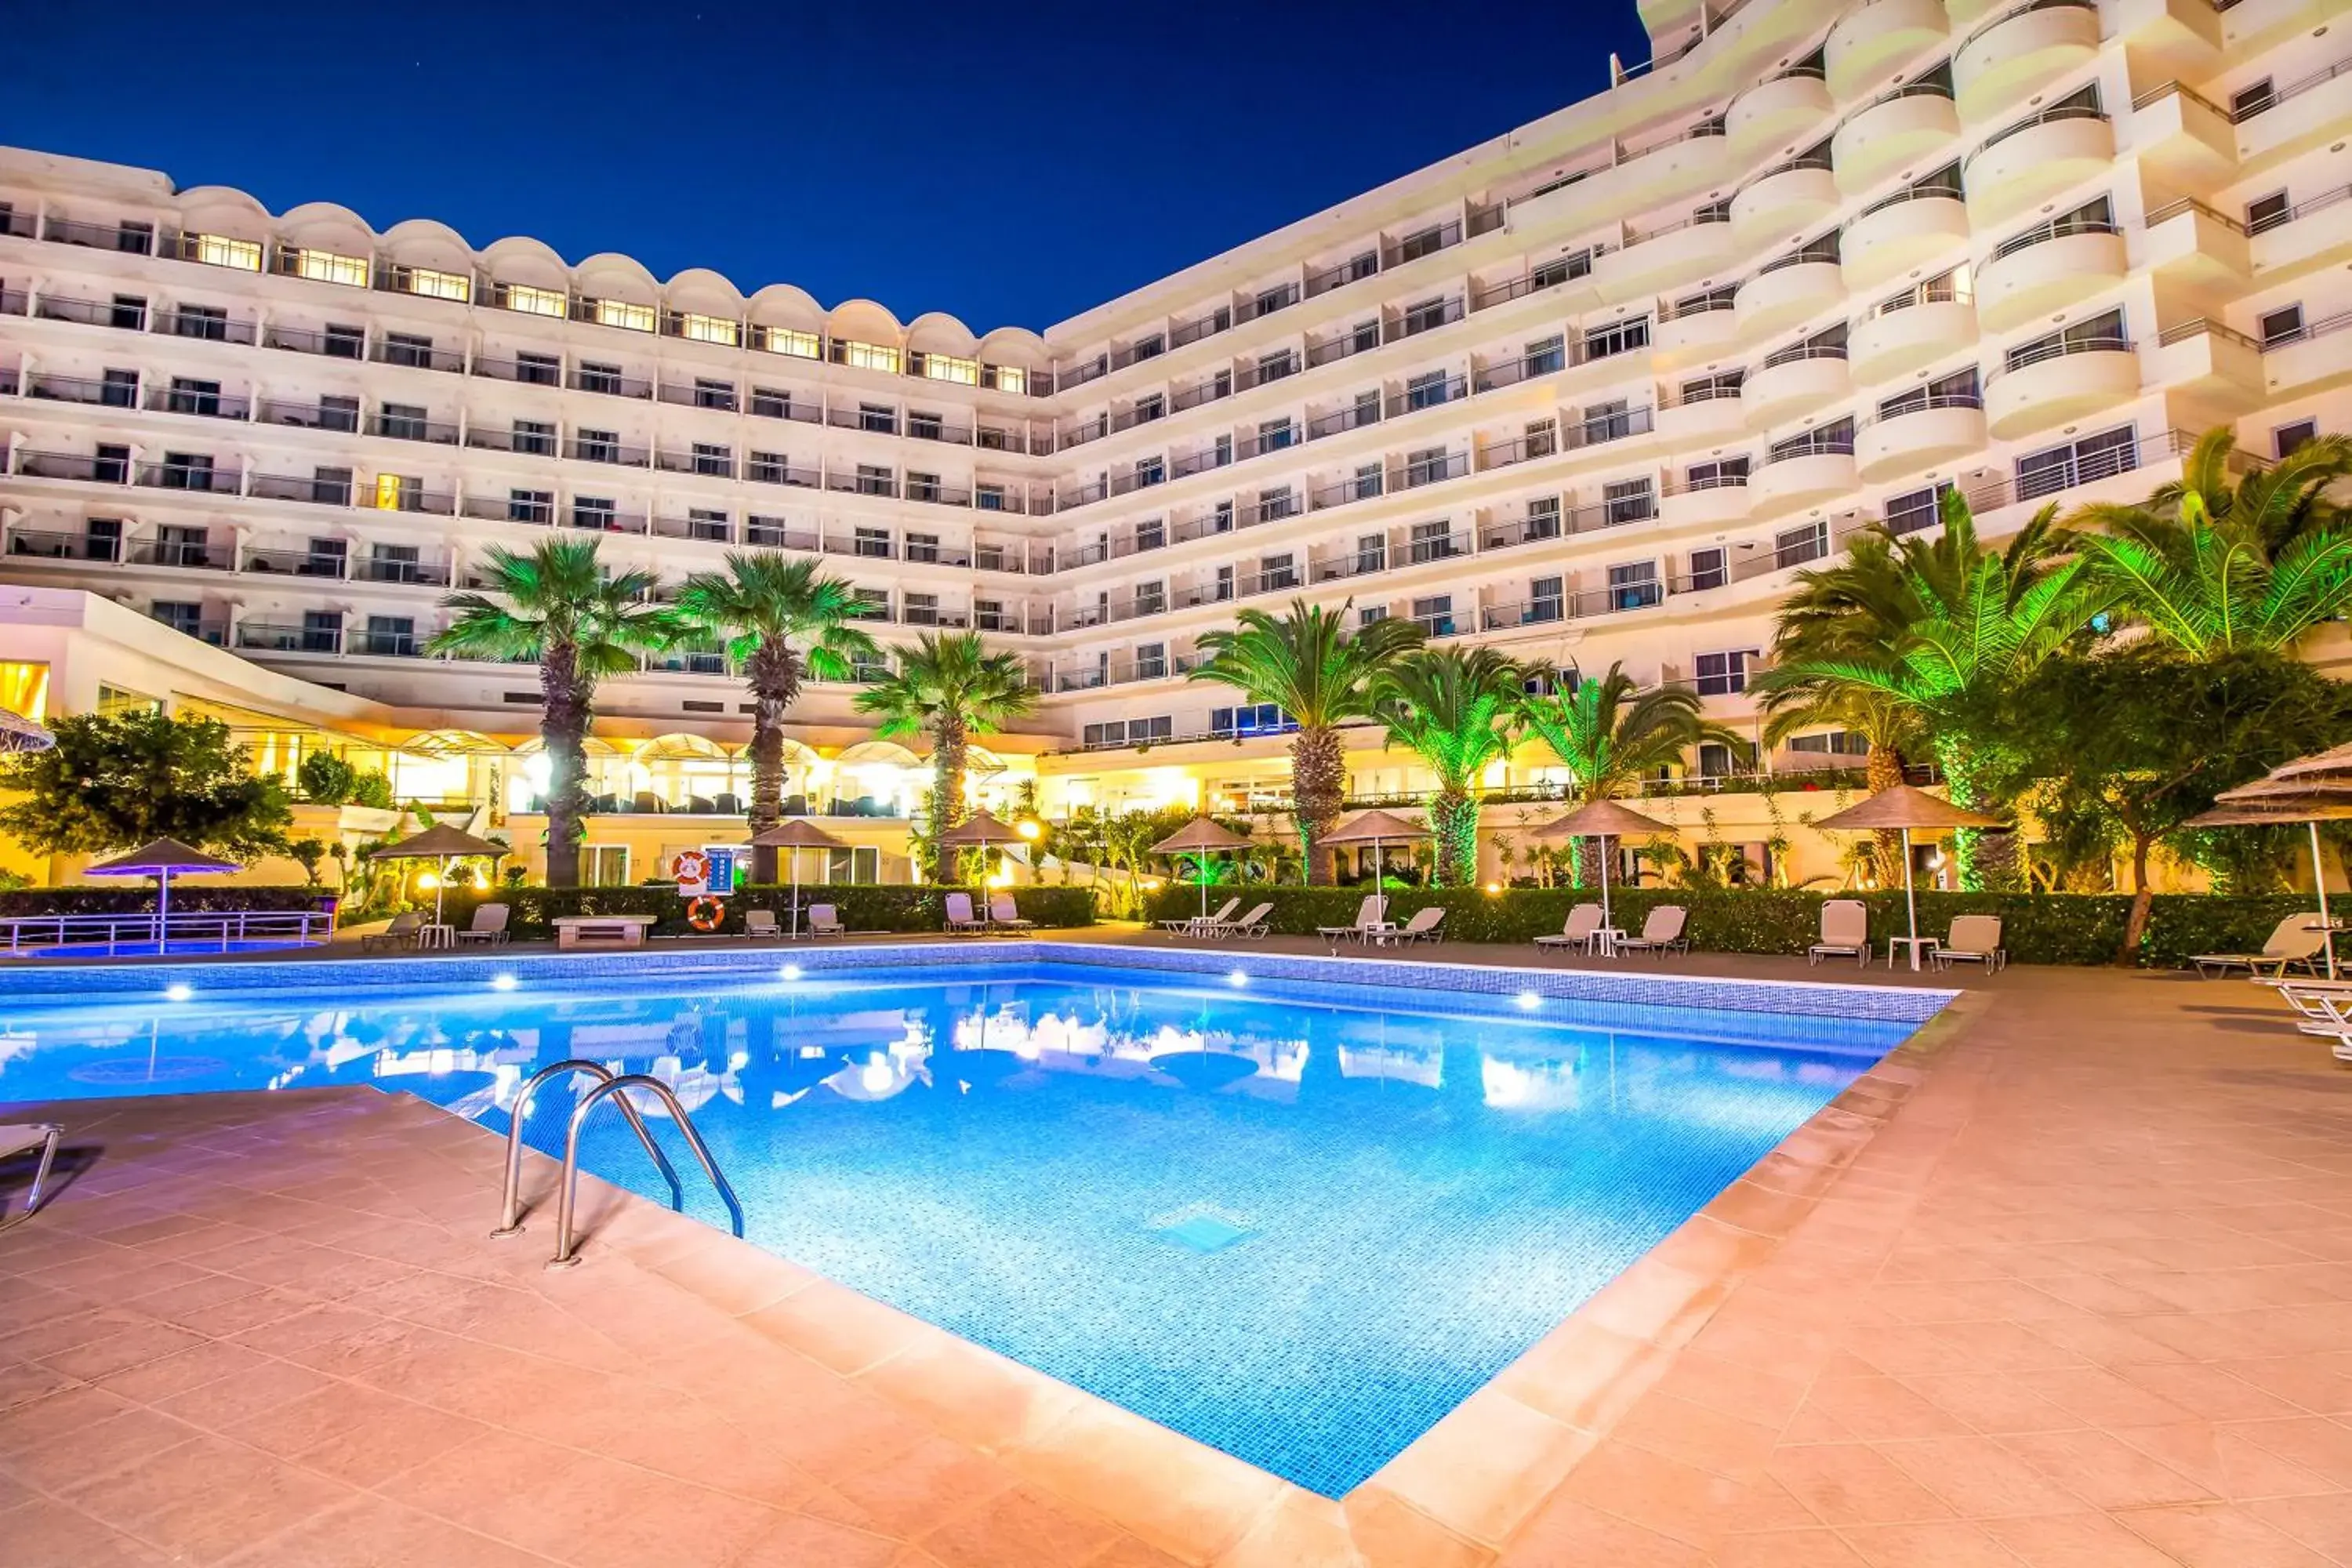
(977, 831)
(1197, 837)
(1604, 820)
(162, 859)
(440, 843)
(19, 734)
(1376, 828)
(2304, 792)
(795, 836)
(1903, 808)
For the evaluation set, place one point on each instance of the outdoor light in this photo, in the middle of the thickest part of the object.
(1493, 887)
(1236, 977)
(1029, 830)
(790, 972)
(177, 992)
(502, 982)
(1529, 1001)
(482, 883)
(1151, 885)
(427, 880)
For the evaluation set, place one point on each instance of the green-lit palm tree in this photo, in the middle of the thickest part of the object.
(950, 688)
(1610, 734)
(1458, 711)
(2273, 504)
(558, 606)
(780, 623)
(2209, 584)
(1320, 675)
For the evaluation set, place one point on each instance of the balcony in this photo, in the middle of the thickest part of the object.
(2308, 111)
(1868, 43)
(30, 544)
(207, 477)
(1926, 430)
(413, 427)
(75, 389)
(1794, 382)
(2054, 151)
(337, 417)
(2189, 246)
(2215, 374)
(1805, 479)
(1933, 323)
(1714, 502)
(717, 463)
(1787, 290)
(407, 573)
(693, 394)
(1784, 113)
(1696, 330)
(310, 491)
(288, 636)
(1909, 228)
(1678, 254)
(2050, 386)
(294, 563)
(1779, 205)
(2304, 237)
(76, 465)
(610, 383)
(709, 529)
(416, 355)
(2183, 137)
(131, 239)
(2010, 59)
(2046, 269)
(340, 343)
(1718, 417)
(596, 450)
(1911, 128)
(129, 316)
(192, 555)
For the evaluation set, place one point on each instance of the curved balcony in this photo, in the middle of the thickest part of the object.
(2051, 152)
(1898, 342)
(1909, 130)
(2008, 60)
(2039, 272)
(1794, 382)
(1780, 204)
(1781, 114)
(1788, 291)
(1676, 256)
(1901, 233)
(2067, 383)
(1703, 421)
(1689, 336)
(1799, 481)
(1706, 506)
(1938, 431)
(1867, 44)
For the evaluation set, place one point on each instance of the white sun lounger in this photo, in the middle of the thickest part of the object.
(1194, 925)
(1845, 929)
(1577, 930)
(1368, 917)
(1422, 926)
(2295, 939)
(1662, 932)
(23, 1138)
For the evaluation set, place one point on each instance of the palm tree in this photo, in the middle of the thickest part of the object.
(1310, 664)
(1950, 641)
(557, 606)
(950, 688)
(2273, 505)
(2210, 583)
(1610, 734)
(1457, 710)
(781, 623)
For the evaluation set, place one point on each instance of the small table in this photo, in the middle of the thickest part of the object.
(437, 936)
(1605, 941)
(1917, 945)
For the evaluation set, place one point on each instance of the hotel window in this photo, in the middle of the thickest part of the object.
(117, 699)
(1542, 518)
(596, 446)
(1916, 510)
(1629, 500)
(1008, 379)
(713, 462)
(1832, 743)
(2266, 212)
(1709, 568)
(989, 497)
(1547, 598)
(786, 340)
(343, 343)
(1426, 466)
(1273, 434)
(701, 522)
(1277, 573)
(2102, 332)
(922, 487)
(1371, 616)
(1958, 390)
(530, 505)
(1707, 388)
(872, 543)
(1151, 598)
(1423, 316)
(326, 266)
(1546, 356)
(179, 615)
(533, 301)
(873, 480)
(922, 609)
(1796, 546)
(1262, 718)
(1426, 390)
(2283, 325)
(434, 285)
(1435, 614)
(397, 492)
(769, 404)
(1150, 471)
(942, 367)
(865, 356)
(719, 395)
(1722, 674)
(708, 328)
(1371, 553)
(2249, 102)
(538, 370)
(1432, 541)
(595, 512)
(1727, 472)
(1150, 660)
(207, 321)
(1617, 338)
(411, 349)
(1152, 533)
(1635, 586)
(621, 313)
(2289, 439)
(605, 864)
(874, 604)
(1541, 438)
(219, 250)
(2098, 456)
(878, 418)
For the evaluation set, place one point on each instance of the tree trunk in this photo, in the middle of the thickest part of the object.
(565, 703)
(1988, 858)
(950, 742)
(2143, 900)
(1318, 785)
(1453, 830)
(1883, 771)
(774, 676)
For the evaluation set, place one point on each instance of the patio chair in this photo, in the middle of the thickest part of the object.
(1367, 915)
(1577, 930)
(1422, 926)
(762, 925)
(1665, 931)
(401, 933)
(1194, 925)
(488, 927)
(960, 921)
(1974, 939)
(824, 922)
(2294, 941)
(1845, 929)
(1003, 914)
(23, 1138)
(1254, 925)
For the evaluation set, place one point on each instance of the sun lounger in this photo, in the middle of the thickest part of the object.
(1974, 939)
(960, 921)
(1003, 914)
(23, 1138)
(1577, 930)
(401, 933)
(1662, 932)
(1252, 925)
(1422, 926)
(1368, 916)
(488, 926)
(1194, 925)
(1845, 929)
(2294, 941)
(822, 921)
(760, 925)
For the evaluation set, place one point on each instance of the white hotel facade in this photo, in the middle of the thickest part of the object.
(1589, 391)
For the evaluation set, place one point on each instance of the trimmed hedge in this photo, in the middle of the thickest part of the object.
(135, 895)
(862, 907)
(2036, 927)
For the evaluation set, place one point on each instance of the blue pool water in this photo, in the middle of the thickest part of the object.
(1298, 1221)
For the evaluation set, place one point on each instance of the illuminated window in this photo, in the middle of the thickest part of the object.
(119, 700)
(435, 285)
(219, 250)
(785, 341)
(620, 313)
(1008, 379)
(870, 356)
(534, 301)
(392, 491)
(706, 328)
(25, 690)
(326, 266)
(939, 367)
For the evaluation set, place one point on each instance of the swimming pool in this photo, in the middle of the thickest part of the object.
(1287, 1211)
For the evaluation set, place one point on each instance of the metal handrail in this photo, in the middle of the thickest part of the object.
(510, 1198)
(566, 1253)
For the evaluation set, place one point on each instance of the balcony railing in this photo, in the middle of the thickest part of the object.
(416, 356)
(295, 563)
(290, 636)
(307, 416)
(409, 428)
(309, 490)
(75, 389)
(124, 315)
(36, 545)
(195, 555)
(212, 478)
(407, 573)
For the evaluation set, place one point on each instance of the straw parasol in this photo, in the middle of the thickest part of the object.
(19, 734)
(1602, 819)
(2305, 793)
(162, 860)
(1903, 808)
(1376, 828)
(795, 837)
(442, 844)
(1197, 837)
(977, 831)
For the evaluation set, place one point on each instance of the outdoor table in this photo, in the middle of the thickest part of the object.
(1605, 941)
(1917, 945)
(437, 936)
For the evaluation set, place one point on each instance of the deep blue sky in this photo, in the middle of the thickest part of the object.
(1014, 163)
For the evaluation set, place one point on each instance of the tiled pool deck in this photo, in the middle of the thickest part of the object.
(2067, 1280)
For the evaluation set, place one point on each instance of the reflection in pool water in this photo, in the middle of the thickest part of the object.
(1298, 1222)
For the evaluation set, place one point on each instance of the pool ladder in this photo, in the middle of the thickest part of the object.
(615, 1089)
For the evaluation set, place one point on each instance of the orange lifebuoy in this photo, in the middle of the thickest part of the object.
(706, 913)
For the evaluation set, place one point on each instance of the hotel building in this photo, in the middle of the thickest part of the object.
(1590, 393)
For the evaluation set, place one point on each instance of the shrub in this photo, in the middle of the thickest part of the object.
(325, 778)
(371, 789)
(139, 898)
(862, 907)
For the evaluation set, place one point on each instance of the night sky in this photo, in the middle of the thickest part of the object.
(1010, 164)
